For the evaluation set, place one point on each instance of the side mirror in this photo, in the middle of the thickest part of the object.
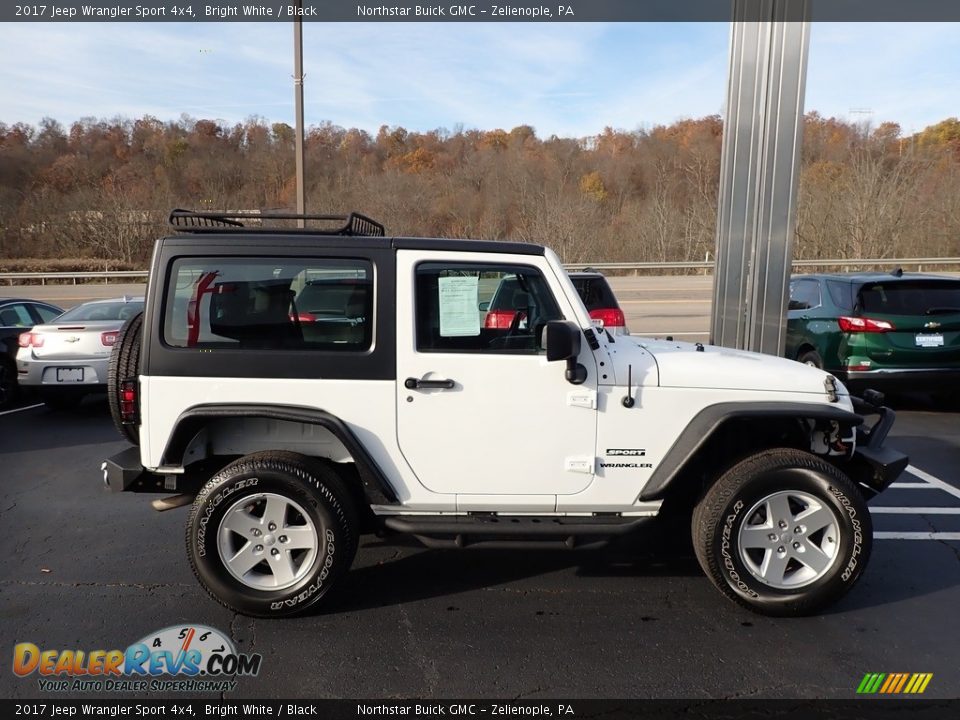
(484, 306)
(562, 339)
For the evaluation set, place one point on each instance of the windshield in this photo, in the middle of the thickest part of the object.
(101, 311)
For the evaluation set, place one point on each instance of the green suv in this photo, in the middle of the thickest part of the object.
(893, 331)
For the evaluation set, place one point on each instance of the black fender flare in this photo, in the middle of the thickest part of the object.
(376, 486)
(706, 422)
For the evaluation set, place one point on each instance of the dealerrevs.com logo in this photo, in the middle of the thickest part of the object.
(180, 658)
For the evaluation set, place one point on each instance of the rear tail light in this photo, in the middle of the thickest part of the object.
(610, 317)
(303, 317)
(502, 319)
(30, 339)
(109, 338)
(868, 325)
(128, 402)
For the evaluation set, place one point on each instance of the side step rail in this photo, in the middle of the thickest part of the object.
(513, 531)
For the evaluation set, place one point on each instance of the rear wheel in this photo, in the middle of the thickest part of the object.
(812, 358)
(271, 533)
(783, 533)
(124, 365)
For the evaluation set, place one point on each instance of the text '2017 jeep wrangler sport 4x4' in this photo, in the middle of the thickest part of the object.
(303, 386)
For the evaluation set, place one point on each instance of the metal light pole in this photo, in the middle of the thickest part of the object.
(298, 101)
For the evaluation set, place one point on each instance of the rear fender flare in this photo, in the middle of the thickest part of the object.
(376, 486)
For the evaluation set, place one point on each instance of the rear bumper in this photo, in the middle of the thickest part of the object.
(901, 379)
(34, 372)
(122, 471)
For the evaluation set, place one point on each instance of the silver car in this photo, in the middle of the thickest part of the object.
(68, 357)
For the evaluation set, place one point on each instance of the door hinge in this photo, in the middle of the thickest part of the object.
(582, 464)
(582, 398)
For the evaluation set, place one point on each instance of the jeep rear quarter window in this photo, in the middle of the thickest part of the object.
(269, 303)
(467, 307)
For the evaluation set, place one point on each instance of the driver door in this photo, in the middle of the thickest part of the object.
(480, 411)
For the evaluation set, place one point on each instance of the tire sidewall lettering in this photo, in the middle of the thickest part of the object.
(857, 544)
(726, 535)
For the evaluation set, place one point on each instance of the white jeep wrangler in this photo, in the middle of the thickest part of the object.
(303, 386)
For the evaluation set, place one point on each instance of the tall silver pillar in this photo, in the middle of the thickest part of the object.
(759, 174)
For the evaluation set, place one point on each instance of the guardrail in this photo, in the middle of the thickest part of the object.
(107, 275)
(709, 264)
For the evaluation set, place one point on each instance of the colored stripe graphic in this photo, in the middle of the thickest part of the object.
(894, 683)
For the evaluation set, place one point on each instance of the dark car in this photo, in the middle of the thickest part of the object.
(17, 315)
(893, 331)
(591, 286)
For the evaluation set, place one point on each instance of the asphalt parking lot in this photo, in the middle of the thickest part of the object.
(81, 568)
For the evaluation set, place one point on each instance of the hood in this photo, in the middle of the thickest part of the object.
(682, 364)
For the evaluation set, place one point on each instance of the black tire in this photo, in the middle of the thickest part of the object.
(811, 357)
(8, 382)
(727, 507)
(124, 365)
(315, 488)
(62, 399)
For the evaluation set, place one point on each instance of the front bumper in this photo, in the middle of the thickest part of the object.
(875, 465)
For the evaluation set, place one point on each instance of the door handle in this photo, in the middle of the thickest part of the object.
(415, 384)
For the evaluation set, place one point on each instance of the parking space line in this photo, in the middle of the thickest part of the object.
(29, 407)
(916, 535)
(927, 477)
(914, 486)
(915, 510)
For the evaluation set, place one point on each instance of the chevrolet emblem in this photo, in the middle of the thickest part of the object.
(71, 339)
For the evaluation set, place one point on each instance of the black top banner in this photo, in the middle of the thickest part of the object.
(510, 11)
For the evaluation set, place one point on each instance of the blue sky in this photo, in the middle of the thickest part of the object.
(564, 79)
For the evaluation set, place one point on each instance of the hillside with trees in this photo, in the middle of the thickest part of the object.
(101, 189)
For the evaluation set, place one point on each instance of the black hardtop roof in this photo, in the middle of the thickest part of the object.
(265, 241)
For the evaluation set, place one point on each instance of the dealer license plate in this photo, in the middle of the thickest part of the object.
(930, 340)
(69, 375)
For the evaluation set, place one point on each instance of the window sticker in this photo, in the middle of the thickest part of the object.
(459, 302)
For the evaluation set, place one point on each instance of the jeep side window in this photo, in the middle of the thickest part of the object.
(270, 304)
(474, 308)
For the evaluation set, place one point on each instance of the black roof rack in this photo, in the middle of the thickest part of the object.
(201, 222)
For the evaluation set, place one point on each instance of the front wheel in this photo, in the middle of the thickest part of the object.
(271, 533)
(783, 533)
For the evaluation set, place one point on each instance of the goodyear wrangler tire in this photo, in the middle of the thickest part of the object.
(783, 533)
(124, 365)
(271, 533)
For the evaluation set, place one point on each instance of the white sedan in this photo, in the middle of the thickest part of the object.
(68, 358)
